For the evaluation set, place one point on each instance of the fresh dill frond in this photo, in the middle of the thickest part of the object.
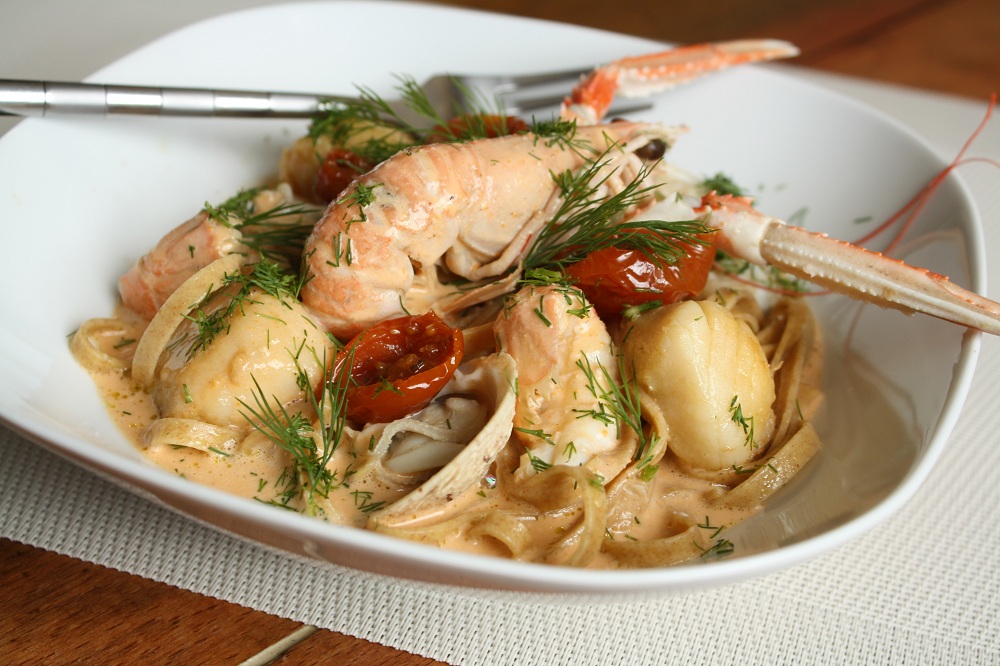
(586, 221)
(633, 312)
(537, 463)
(707, 525)
(270, 277)
(310, 445)
(721, 548)
(769, 277)
(555, 129)
(376, 128)
(278, 231)
(274, 280)
(360, 195)
(537, 432)
(238, 206)
(414, 114)
(385, 131)
(363, 501)
(746, 423)
(208, 326)
(722, 184)
(543, 277)
(621, 398)
(295, 434)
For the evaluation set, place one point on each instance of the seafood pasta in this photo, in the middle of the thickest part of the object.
(511, 338)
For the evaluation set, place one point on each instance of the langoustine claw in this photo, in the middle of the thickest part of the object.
(656, 72)
(841, 267)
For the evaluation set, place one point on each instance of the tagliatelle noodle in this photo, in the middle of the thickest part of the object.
(190, 433)
(791, 322)
(501, 526)
(561, 488)
(89, 353)
(788, 337)
(779, 469)
(683, 545)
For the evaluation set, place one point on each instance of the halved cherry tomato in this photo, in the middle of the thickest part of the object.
(477, 126)
(616, 278)
(399, 366)
(339, 169)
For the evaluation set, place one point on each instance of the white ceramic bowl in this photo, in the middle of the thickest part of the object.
(80, 199)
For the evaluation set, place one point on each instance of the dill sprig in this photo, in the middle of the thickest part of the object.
(619, 400)
(415, 115)
(363, 501)
(310, 476)
(537, 463)
(281, 230)
(342, 123)
(723, 184)
(272, 279)
(537, 432)
(721, 547)
(268, 276)
(586, 221)
(747, 424)
(768, 277)
(341, 120)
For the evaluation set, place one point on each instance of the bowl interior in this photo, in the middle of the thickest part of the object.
(82, 198)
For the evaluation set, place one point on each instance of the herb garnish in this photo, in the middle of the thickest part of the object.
(280, 231)
(619, 401)
(736, 412)
(587, 221)
(271, 278)
(310, 446)
(722, 184)
(721, 547)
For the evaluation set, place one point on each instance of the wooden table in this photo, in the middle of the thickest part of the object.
(57, 609)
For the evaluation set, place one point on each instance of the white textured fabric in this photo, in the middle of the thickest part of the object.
(924, 588)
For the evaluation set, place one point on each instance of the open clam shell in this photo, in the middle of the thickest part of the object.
(492, 378)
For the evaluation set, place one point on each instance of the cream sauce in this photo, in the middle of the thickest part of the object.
(258, 469)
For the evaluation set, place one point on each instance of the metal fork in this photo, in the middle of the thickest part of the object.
(449, 95)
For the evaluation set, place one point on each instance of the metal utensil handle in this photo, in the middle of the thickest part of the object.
(47, 98)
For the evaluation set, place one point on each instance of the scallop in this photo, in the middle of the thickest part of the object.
(265, 348)
(705, 369)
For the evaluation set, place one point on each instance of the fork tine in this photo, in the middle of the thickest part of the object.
(516, 82)
(516, 93)
(523, 94)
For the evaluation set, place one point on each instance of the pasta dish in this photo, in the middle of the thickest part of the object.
(520, 339)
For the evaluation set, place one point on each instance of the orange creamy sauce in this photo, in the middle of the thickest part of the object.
(254, 471)
(257, 467)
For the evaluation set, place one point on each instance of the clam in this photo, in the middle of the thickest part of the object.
(492, 381)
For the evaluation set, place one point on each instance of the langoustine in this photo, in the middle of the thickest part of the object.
(566, 365)
(395, 229)
(251, 223)
(473, 207)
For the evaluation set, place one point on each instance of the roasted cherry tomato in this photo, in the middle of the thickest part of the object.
(398, 366)
(615, 278)
(339, 168)
(477, 126)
